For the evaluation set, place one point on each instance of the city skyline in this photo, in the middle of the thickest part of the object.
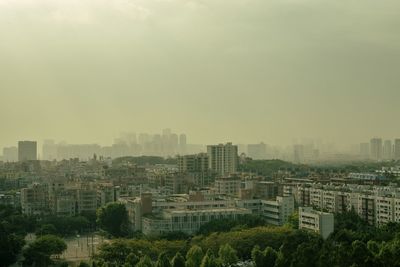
(169, 144)
(270, 70)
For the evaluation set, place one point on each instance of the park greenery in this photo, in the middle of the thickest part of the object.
(50, 230)
(40, 251)
(354, 243)
(113, 218)
(248, 241)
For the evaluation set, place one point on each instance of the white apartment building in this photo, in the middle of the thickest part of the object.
(277, 212)
(385, 210)
(316, 197)
(378, 205)
(316, 221)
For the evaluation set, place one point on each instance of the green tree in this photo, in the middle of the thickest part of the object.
(293, 220)
(131, 260)
(145, 261)
(46, 229)
(38, 253)
(227, 255)
(270, 256)
(257, 256)
(163, 260)
(83, 264)
(359, 252)
(178, 260)
(10, 246)
(209, 260)
(113, 218)
(194, 256)
(373, 247)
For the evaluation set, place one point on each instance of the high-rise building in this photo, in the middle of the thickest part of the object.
(27, 150)
(397, 149)
(387, 150)
(195, 167)
(223, 159)
(364, 150)
(193, 163)
(182, 144)
(376, 148)
(10, 154)
(49, 150)
(257, 151)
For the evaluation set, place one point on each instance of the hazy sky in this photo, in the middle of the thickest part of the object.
(239, 70)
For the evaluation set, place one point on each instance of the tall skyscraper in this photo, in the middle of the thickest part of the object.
(376, 148)
(387, 150)
(27, 150)
(223, 159)
(182, 144)
(397, 149)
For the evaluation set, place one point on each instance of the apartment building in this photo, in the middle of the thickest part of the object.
(316, 221)
(228, 185)
(366, 208)
(34, 200)
(277, 212)
(107, 193)
(385, 210)
(86, 200)
(223, 159)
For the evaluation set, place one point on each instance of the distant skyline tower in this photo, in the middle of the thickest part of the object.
(182, 143)
(376, 148)
(397, 149)
(387, 150)
(10, 154)
(27, 150)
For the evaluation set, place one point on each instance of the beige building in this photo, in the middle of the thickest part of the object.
(316, 221)
(223, 159)
(228, 185)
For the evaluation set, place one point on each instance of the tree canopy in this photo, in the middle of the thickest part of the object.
(113, 218)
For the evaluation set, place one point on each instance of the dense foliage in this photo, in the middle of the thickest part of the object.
(353, 243)
(226, 225)
(113, 218)
(39, 252)
(268, 167)
(13, 228)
